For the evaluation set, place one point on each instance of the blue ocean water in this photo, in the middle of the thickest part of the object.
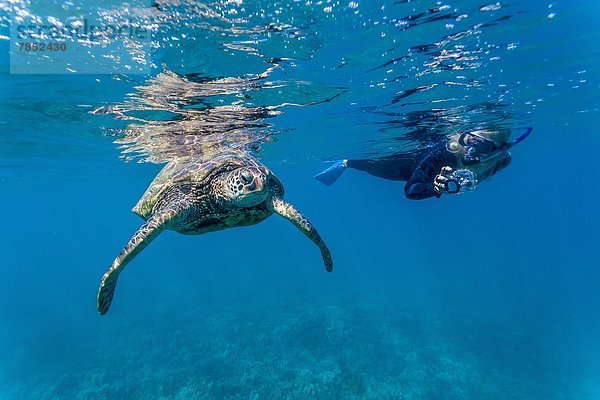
(487, 295)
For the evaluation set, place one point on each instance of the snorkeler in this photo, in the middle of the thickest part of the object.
(455, 165)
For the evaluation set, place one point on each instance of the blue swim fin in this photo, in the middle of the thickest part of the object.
(331, 174)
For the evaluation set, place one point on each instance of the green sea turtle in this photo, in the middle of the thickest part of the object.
(194, 197)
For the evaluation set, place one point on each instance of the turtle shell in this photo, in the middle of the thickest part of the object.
(186, 170)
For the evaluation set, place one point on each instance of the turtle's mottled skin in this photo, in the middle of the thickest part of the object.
(194, 197)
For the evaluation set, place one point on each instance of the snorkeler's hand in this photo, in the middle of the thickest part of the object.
(439, 182)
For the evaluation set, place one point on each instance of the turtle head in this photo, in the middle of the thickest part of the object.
(246, 186)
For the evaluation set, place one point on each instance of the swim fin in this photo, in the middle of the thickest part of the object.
(331, 174)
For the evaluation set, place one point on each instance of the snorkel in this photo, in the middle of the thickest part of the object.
(480, 149)
(522, 137)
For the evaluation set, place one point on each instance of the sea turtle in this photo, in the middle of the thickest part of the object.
(194, 197)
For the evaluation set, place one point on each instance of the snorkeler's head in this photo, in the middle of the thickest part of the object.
(480, 146)
(485, 152)
(483, 146)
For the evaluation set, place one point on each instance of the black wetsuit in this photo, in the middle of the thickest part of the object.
(417, 170)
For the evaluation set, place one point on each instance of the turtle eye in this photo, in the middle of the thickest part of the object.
(247, 177)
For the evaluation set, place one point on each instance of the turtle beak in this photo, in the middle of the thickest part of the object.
(257, 185)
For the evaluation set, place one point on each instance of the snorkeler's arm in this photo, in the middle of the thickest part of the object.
(420, 185)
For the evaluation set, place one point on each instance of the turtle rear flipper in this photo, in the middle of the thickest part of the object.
(138, 242)
(289, 212)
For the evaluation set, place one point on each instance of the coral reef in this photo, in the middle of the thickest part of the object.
(293, 350)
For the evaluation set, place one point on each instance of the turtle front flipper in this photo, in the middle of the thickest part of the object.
(138, 242)
(287, 211)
